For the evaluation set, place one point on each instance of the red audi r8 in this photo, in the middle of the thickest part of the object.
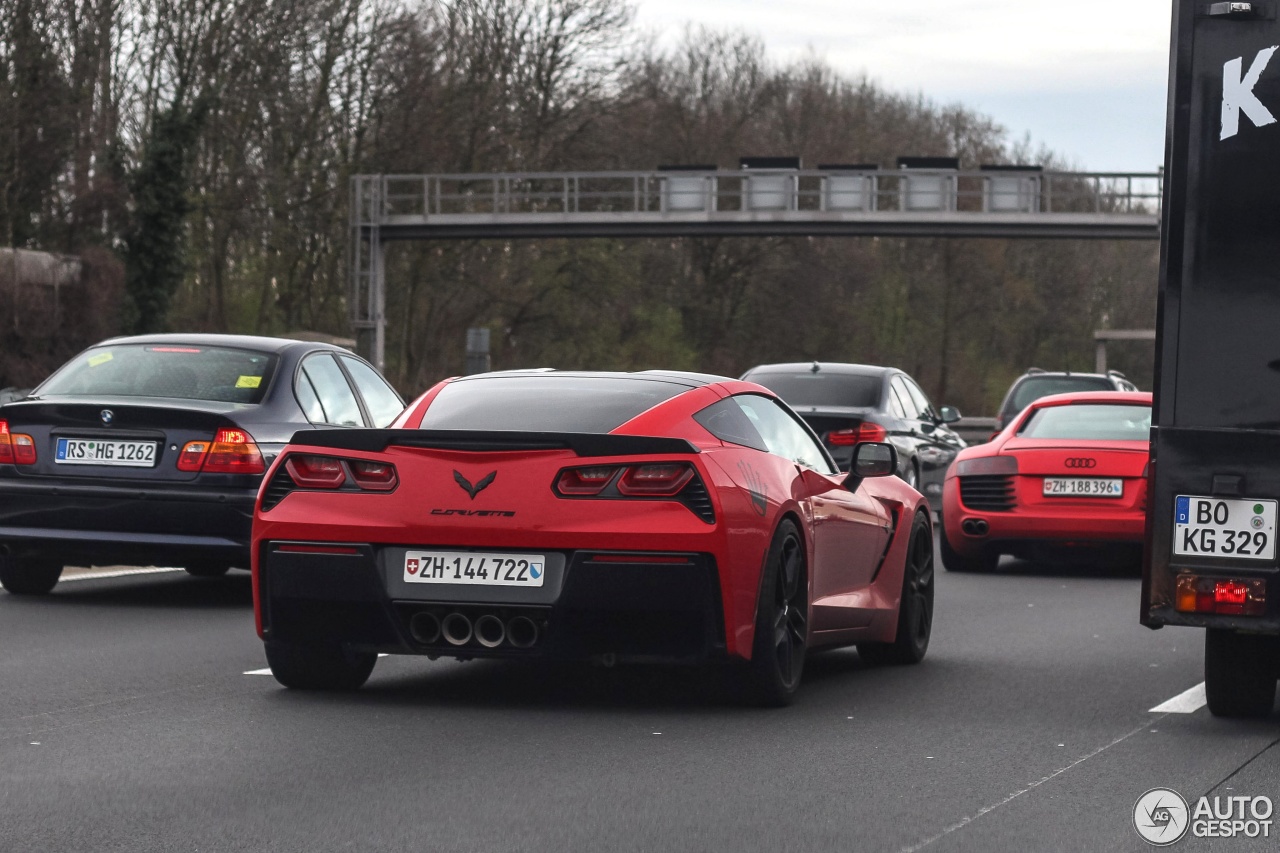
(648, 516)
(1068, 474)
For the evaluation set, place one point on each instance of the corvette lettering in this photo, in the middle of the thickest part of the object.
(476, 513)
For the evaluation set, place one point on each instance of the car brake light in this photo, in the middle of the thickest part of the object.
(866, 431)
(660, 480)
(584, 481)
(1222, 596)
(234, 452)
(192, 456)
(374, 476)
(16, 448)
(316, 472)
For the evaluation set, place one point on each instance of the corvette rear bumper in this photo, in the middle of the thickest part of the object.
(617, 606)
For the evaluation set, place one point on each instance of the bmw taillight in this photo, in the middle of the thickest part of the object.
(232, 451)
(866, 431)
(664, 480)
(16, 448)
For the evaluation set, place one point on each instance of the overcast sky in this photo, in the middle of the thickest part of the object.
(1087, 78)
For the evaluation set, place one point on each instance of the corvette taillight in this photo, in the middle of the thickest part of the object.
(584, 482)
(16, 448)
(316, 472)
(374, 476)
(866, 431)
(655, 481)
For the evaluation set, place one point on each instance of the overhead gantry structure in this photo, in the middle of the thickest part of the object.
(924, 197)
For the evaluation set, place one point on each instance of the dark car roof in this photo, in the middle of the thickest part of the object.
(261, 343)
(837, 367)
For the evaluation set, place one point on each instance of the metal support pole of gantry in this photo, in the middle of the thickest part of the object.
(368, 292)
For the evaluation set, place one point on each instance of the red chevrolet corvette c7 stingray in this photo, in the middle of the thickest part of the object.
(652, 516)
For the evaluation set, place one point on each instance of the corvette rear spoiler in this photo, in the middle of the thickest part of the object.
(476, 441)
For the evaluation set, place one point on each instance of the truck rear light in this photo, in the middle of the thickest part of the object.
(234, 452)
(664, 480)
(585, 482)
(866, 431)
(1221, 596)
(316, 472)
(16, 448)
(374, 476)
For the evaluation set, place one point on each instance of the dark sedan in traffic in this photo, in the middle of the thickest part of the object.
(150, 450)
(848, 404)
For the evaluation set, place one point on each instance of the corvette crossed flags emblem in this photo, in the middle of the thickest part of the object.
(478, 487)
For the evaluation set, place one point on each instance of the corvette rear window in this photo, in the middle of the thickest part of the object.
(822, 389)
(1096, 422)
(181, 371)
(545, 403)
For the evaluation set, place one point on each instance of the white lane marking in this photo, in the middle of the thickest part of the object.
(1186, 702)
(266, 671)
(963, 822)
(119, 574)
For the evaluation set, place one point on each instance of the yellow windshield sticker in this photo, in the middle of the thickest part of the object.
(100, 358)
(248, 381)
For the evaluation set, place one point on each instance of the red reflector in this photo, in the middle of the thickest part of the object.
(661, 480)
(316, 472)
(318, 549)
(234, 452)
(639, 558)
(584, 481)
(374, 476)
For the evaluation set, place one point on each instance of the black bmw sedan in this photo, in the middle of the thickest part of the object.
(149, 450)
(847, 404)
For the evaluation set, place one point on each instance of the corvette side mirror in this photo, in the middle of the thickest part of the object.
(874, 459)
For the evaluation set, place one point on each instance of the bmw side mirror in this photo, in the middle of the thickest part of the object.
(948, 415)
(874, 459)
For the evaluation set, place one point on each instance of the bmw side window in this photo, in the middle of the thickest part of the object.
(383, 403)
(908, 403)
(895, 404)
(307, 399)
(332, 390)
(922, 402)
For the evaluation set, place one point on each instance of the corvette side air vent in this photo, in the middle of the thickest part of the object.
(695, 497)
(281, 485)
(989, 492)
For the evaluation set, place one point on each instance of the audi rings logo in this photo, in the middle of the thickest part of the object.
(1082, 462)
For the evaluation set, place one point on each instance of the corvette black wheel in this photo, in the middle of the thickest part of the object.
(29, 576)
(915, 610)
(319, 667)
(782, 621)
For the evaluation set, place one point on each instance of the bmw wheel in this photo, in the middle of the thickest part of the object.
(29, 575)
(915, 609)
(782, 622)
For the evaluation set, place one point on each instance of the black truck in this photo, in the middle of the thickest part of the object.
(1211, 557)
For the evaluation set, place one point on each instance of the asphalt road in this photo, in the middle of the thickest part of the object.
(131, 720)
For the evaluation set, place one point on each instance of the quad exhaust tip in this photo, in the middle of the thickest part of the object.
(975, 526)
(490, 632)
(424, 628)
(456, 629)
(522, 632)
